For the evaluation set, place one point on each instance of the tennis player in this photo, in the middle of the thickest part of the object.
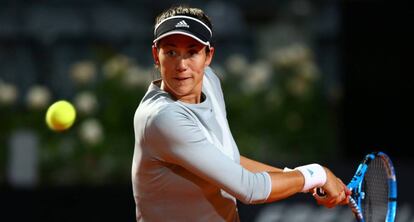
(186, 164)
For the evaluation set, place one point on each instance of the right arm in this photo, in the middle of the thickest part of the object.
(284, 184)
(287, 183)
(175, 138)
(255, 166)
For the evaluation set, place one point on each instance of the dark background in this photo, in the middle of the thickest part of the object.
(376, 44)
(377, 66)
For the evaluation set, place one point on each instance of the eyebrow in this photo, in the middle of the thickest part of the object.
(175, 46)
(168, 44)
(192, 46)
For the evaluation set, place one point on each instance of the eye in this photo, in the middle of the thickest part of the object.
(193, 52)
(171, 53)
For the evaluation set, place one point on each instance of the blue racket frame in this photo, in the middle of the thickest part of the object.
(358, 195)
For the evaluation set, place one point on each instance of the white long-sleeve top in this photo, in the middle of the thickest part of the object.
(186, 163)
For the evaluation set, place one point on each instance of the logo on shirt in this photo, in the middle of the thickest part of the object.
(310, 172)
(182, 24)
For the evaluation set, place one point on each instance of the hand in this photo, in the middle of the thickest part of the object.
(336, 192)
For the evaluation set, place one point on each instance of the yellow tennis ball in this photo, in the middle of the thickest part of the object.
(60, 115)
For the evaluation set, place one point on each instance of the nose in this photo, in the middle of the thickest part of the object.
(182, 64)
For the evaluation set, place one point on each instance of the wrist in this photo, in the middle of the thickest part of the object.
(314, 175)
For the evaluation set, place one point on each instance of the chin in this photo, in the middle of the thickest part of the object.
(182, 92)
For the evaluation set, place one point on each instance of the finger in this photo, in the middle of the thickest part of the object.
(337, 199)
(326, 201)
(340, 181)
(343, 185)
(348, 192)
(321, 200)
(342, 198)
(345, 201)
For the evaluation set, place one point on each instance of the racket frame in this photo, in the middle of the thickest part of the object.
(355, 200)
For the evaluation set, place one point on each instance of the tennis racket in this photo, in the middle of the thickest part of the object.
(374, 189)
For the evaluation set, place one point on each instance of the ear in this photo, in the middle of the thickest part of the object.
(155, 55)
(209, 57)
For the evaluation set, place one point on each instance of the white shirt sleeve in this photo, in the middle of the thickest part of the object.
(175, 138)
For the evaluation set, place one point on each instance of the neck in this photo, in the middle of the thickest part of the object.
(192, 98)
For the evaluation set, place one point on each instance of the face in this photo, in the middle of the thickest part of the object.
(181, 60)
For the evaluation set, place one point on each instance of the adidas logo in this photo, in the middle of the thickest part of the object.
(181, 24)
(310, 172)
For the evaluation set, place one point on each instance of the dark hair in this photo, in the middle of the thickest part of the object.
(184, 10)
(187, 11)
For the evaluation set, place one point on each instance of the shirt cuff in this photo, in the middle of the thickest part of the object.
(269, 184)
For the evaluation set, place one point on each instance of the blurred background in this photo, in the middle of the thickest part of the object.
(304, 81)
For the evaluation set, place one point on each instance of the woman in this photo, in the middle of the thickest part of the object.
(186, 165)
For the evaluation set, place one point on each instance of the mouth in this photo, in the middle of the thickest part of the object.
(182, 78)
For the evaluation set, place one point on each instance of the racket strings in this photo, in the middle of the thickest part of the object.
(375, 188)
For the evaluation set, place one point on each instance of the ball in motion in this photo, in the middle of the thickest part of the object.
(60, 115)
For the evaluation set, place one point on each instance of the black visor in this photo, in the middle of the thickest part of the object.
(184, 25)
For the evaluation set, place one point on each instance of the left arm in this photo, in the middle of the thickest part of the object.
(255, 166)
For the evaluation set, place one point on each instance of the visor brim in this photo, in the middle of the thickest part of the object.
(181, 32)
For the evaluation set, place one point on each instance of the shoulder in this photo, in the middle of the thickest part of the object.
(172, 124)
(162, 113)
(152, 103)
(167, 120)
(169, 114)
(212, 82)
(213, 87)
(159, 111)
(211, 76)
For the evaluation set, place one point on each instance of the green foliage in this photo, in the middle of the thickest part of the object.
(285, 118)
(276, 111)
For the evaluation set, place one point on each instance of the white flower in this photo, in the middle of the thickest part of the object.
(83, 72)
(38, 97)
(116, 65)
(91, 132)
(8, 93)
(300, 53)
(291, 55)
(136, 77)
(237, 64)
(305, 76)
(257, 76)
(86, 103)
